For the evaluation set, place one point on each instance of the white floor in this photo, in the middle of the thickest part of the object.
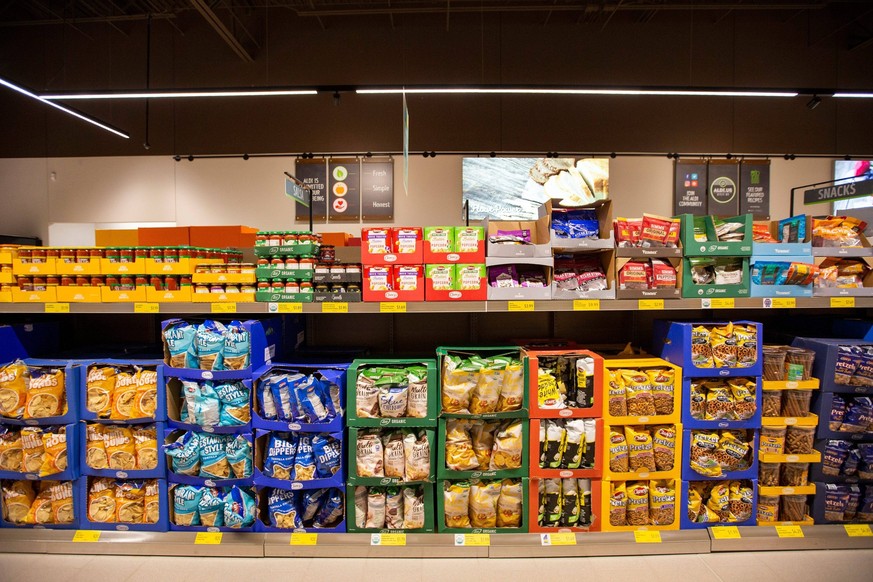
(809, 566)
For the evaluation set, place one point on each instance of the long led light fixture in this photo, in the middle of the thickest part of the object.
(544, 91)
(180, 94)
(855, 95)
(66, 110)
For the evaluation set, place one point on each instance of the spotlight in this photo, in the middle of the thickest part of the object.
(612, 155)
(814, 102)
(190, 158)
(245, 156)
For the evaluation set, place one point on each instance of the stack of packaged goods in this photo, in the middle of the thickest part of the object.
(721, 414)
(843, 255)
(7, 278)
(208, 444)
(454, 259)
(582, 240)
(299, 448)
(519, 262)
(393, 263)
(844, 438)
(221, 282)
(717, 252)
(642, 444)
(566, 400)
(483, 438)
(649, 257)
(39, 444)
(286, 264)
(392, 408)
(124, 414)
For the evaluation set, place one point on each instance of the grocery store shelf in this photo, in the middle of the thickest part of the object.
(350, 545)
(817, 537)
(601, 544)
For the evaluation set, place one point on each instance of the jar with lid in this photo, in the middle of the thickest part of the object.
(185, 280)
(96, 254)
(277, 286)
(354, 269)
(25, 283)
(289, 239)
(337, 288)
(52, 253)
(274, 239)
(291, 286)
(263, 286)
(305, 287)
(216, 288)
(263, 262)
(337, 270)
(353, 288)
(141, 281)
(171, 255)
(327, 253)
(52, 280)
(156, 254)
(171, 282)
(68, 281)
(184, 253)
(261, 239)
(67, 255)
(112, 281)
(157, 282)
(231, 288)
(217, 268)
(322, 288)
(83, 255)
(26, 255)
(125, 255)
(83, 281)
(233, 268)
(307, 263)
(201, 288)
(291, 263)
(97, 280)
(247, 268)
(247, 288)
(140, 253)
(37, 256)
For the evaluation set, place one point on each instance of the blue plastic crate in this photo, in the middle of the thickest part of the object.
(73, 469)
(672, 342)
(821, 405)
(781, 290)
(161, 396)
(688, 474)
(817, 507)
(170, 436)
(685, 523)
(262, 523)
(174, 404)
(801, 251)
(79, 502)
(334, 373)
(826, 352)
(854, 328)
(11, 348)
(72, 371)
(689, 422)
(260, 354)
(262, 480)
(199, 528)
(159, 472)
(85, 522)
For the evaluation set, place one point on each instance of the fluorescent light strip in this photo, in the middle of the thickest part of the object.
(688, 93)
(66, 110)
(855, 95)
(177, 94)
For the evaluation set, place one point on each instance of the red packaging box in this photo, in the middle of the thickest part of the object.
(378, 277)
(375, 240)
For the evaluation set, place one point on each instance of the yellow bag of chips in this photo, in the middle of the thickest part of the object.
(120, 448)
(483, 504)
(33, 449)
(512, 390)
(145, 443)
(101, 501)
(459, 446)
(694, 502)
(487, 391)
(618, 504)
(509, 504)
(11, 454)
(508, 445)
(641, 455)
(152, 501)
(145, 400)
(123, 396)
(638, 503)
(62, 502)
(45, 394)
(639, 393)
(129, 502)
(95, 446)
(662, 502)
(54, 460)
(662, 382)
(13, 389)
(618, 454)
(703, 447)
(99, 383)
(18, 497)
(456, 504)
(664, 445)
(41, 510)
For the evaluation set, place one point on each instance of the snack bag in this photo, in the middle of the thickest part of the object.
(45, 394)
(512, 389)
(145, 402)
(724, 347)
(54, 459)
(304, 462)
(283, 509)
(743, 392)
(664, 446)
(703, 453)
(279, 456)
(569, 503)
(61, 494)
(10, 449)
(266, 403)
(129, 502)
(577, 443)
(661, 382)
(101, 501)
(120, 448)
(213, 456)
(662, 502)
(460, 378)
(719, 402)
(99, 383)
(328, 456)
(731, 452)
(417, 404)
(311, 502)
(185, 454)
(617, 394)
(639, 393)
(618, 504)
(179, 338)
(509, 504)
(209, 345)
(152, 501)
(507, 447)
(555, 444)
(309, 398)
(417, 457)
(186, 502)
(375, 508)
(33, 448)
(331, 511)
(701, 350)
(369, 455)
(482, 436)
(123, 395)
(459, 446)
(145, 442)
(741, 498)
(393, 400)
(719, 501)
(393, 508)
(211, 507)
(235, 407)
(483, 504)
(239, 457)
(237, 346)
(638, 503)
(95, 446)
(641, 455)
(694, 502)
(551, 502)
(41, 510)
(618, 451)
(367, 394)
(697, 406)
(413, 508)
(14, 379)
(239, 508)
(457, 503)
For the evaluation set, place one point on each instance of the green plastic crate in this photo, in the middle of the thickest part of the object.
(487, 351)
(444, 472)
(691, 290)
(713, 247)
(352, 418)
(287, 251)
(429, 526)
(271, 273)
(351, 451)
(270, 297)
(441, 511)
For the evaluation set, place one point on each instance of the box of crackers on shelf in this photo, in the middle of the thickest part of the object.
(39, 504)
(39, 452)
(487, 382)
(482, 506)
(391, 456)
(716, 236)
(220, 406)
(710, 349)
(392, 392)
(214, 509)
(122, 504)
(299, 460)
(123, 392)
(391, 509)
(566, 447)
(214, 460)
(566, 504)
(291, 397)
(565, 383)
(212, 350)
(122, 451)
(712, 503)
(840, 236)
(648, 236)
(310, 510)
(583, 227)
(642, 452)
(640, 505)
(641, 391)
(843, 503)
(38, 392)
(787, 237)
(720, 454)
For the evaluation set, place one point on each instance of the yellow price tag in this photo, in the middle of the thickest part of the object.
(647, 304)
(722, 303)
(146, 308)
(789, 531)
(57, 307)
(392, 307)
(520, 306)
(558, 539)
(334, 307)
(86, 535)
(208, 538)
(842, 302)
(858, 530)
(388, 539)
(586, 305)
(304, 539)
(224, 308)
(472, 539)
(725, 532)
(783, 302)
(289, 308)
(647, 537)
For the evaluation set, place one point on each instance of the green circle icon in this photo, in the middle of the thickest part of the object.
(340, 173)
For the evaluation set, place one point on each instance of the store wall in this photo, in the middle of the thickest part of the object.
(38, 192)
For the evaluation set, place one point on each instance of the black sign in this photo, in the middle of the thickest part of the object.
(755, 188)
(723, 189)
(377, 190)
(313, 173)
(838, 192)
(689, 187)
(344, 180)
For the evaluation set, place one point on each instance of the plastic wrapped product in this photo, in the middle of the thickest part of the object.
(369, 456)
(239, 508)
(213, 456)
(209, 345)
(237, 347)
(509, 504)
(394, 458)
(417, 402)
(459, 446)
(184, 454)
(393, 508)
(328, 456)
(304, 461)
(179, 338)
(186, 502)
(239, 457)
(283, 509)
(456, 504)
(280, 455)
(375, 508)
(508, 445)
(413, 508)
(640, 451)
(332, 510)
(211, 507)
(417, 457)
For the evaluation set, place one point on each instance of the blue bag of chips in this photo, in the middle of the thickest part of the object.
(328, 455)
(186, 501)
(239, 508)
(185, 454)
(213, 456)
(209, 345)
(235, 407)
(331, 512)
(280, 455)
(237, 347)
(304, 462)
(211, 507)
(179, 337)
(201, 402)
(239, 456)
(283, 509)
(309, 399)
(310, 503)
(283, 396)
(327, 398)
(266, 402)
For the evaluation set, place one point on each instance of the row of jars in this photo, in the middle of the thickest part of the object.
(126, 254)
(114, 282)
(307, 263)
(226, 268)
(294, 286)
(281, 238)
(224, 288)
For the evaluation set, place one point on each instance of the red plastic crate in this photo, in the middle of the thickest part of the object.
(595, 411)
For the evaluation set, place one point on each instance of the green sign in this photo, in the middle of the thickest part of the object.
(296, 191)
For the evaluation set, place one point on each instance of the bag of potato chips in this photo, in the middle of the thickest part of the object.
(61, 494)
(120, 448)
(618, 454)
(508, 445)
(99, 383)
(18, 496)
(213, 456)
(509, 504)
(14, 379)
(32, 448)
(641, 454)
(10, 449)
(459, 446)
(54, 459)
(456, 498)
(45, 394)
(185, 454)
(186, 502)
(145, 402)
(483, 504)
(179, 338)
(211, 507)
(152, 501)
(512, 390)
(413, 508)
(488, 387)
(280, 454)
(283, 509)
(95, 446)
(145, 442)
(416, 452)
(130, 501)
(460, 378)
(101, 501)
(123, 395)
(41, 511)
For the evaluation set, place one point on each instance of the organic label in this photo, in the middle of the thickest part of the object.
(388, 539)
(472, 539)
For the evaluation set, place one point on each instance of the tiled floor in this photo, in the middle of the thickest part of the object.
(809, 566)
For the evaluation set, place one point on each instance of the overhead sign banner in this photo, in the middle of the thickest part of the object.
(296, 191)
(377, 189)
(838, 192)
(313, 173)
(723, 197)
(344, 182)
(689, 187)
(755, 188)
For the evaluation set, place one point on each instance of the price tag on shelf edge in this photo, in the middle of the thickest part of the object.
(86, 535)
(224, 308)
(392, 307)
(520, 306)
(57, 307)
(286, 308)
(586, 305)
(842, 302)
(388, 539)
(304, 539)
(718, 303)
(789, 531)
(647, 537)
(858, 530)
(329, 307)
(208, 538)
(779, 302)
(472, 539)
(725, 532)
(649, 304)
(146, 308)
(558, 539)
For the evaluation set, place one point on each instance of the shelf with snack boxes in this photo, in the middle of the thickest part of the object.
(486, 506)
(566, 448)
(200, 508)
(299, 460)
(453, 244)
(840, 236)
(398, 245)
(520, 238)
(715, 455)
(648, 278)
(122, 504)
(122, 452)
(844, 416)
(640, 505)
(783, 509)
(565, 383)
(38, 453)
(782, 276)
(286, 243)
(299, 398)
(584, 275)
(789, 237)
(511, 279)
(455, 282)
(642, 391)
(392, 392)
(310, 510)
(39, 392)
(719, 403)
(715, 276)
(483, 382)
(843, 503)
(642, 452)
(648, 237)
(587, 226)
(401, 282)
(713, 503)
(844, 277)
(40, 504)
(391, 456)
(711, 349)
(843, 462)
(393, 509)
(707, 236)
(482, 449)
(115, 391)
(211, 350)
(557, 505)
(842, 365)
(213, 460)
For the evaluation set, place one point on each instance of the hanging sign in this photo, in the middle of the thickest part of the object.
(755, 188)
(723, 197)
(838, 192)
(313, 174)
(344, 189)
(377, 189)
(689, 187)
